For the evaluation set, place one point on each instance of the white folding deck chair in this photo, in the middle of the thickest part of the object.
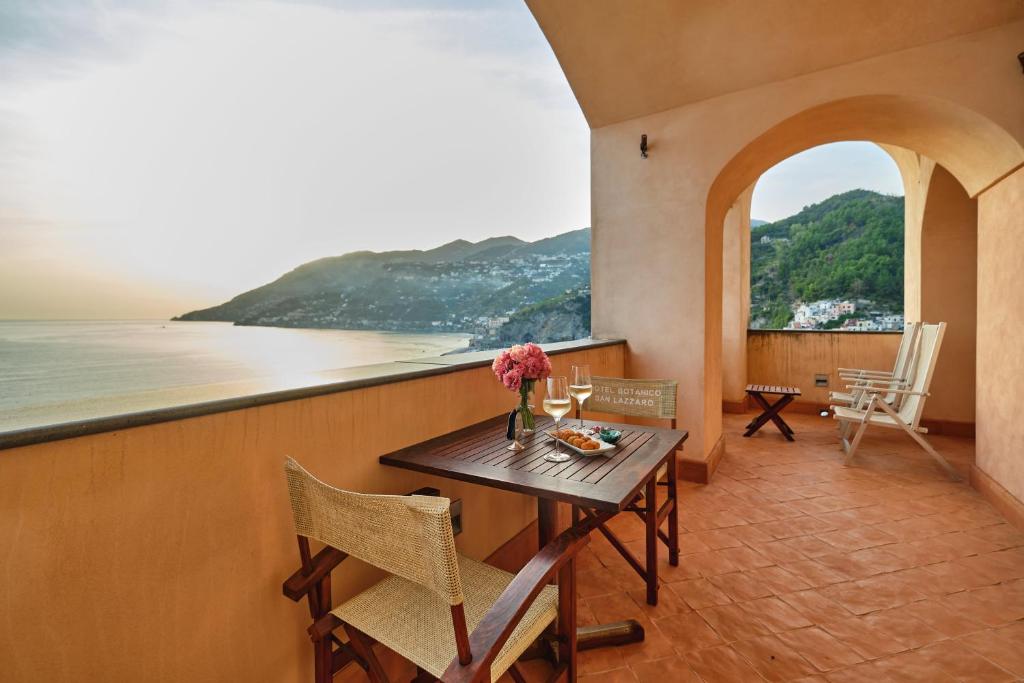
(908, 417)
(901, 376)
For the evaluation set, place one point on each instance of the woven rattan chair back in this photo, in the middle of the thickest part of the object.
(654, 398)
(409, 536)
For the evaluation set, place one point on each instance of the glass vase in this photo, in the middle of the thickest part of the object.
(526, 417)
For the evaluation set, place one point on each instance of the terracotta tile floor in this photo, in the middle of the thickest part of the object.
(796, 568)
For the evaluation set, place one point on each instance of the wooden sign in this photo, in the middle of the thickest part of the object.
(636, 397)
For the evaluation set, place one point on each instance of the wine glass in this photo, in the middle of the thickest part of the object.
(556, 404)
(580, 387)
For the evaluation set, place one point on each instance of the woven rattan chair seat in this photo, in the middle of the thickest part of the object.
(417, 624)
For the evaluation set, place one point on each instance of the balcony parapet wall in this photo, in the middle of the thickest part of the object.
(345, 379)
(158, 541)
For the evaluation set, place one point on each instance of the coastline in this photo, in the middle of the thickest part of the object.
(59, 371)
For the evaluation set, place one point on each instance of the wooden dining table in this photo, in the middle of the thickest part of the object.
(596, 487)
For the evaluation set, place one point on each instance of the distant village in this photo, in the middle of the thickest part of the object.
(836, 314)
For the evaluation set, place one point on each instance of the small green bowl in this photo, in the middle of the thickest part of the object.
(610, 435)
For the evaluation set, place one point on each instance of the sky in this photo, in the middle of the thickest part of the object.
(158, 156)
(820, 172)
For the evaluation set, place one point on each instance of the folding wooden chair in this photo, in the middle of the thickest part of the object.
(901, 376)
(651, 398)
(455, 618)
(908, 418)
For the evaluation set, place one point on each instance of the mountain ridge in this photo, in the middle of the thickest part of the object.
(456, 286)
(506, 290)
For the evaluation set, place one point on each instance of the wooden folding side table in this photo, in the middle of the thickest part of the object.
(770, 411)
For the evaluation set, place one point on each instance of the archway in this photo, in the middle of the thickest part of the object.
(977, 153)
(762, 270)
(939, 222)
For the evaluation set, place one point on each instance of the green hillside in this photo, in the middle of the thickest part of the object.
(458, 287)
(849, 246)
(559, 318)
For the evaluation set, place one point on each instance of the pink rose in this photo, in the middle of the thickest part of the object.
(533, 367)
(501, 364)
(521, 364)
(513, 379)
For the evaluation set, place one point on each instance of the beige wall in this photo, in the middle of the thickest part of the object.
(157, 553)
(736, 297)
(794, 358)
(657, 245)
(916, 173)
(647, 273)
(1000, 436)
(940, 277)
(948, 293)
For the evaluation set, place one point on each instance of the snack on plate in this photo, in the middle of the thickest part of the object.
(582, 441)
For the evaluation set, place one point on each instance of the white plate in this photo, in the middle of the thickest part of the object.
(604, 448)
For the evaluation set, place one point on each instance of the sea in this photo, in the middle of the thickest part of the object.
(53, 372)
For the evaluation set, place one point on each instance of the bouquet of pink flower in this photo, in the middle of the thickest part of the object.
(518, 369)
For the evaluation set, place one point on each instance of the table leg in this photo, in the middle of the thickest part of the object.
(651, 524)
(606, 635)
(761, 419)
(774, 415)
(547, 521)
(673, 514)
(589, 637)
(770, 413)
(567, 645)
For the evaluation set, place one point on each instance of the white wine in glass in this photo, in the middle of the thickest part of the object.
(556, 404)
(580, 386)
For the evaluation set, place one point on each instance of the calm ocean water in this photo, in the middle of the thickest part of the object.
(58, 371)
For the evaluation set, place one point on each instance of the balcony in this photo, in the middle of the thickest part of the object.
(152, 547)
(154, 544)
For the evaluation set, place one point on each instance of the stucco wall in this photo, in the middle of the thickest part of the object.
(157, 553)
(736, 297)
(1000, 437)
(916, 174)
(794, 358)
(948, 291)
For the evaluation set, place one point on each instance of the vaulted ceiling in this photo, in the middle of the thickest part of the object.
(628, 58)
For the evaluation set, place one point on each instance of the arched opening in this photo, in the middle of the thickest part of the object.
(827, 252)
(937, 221)
(923, 134)
(828, 261)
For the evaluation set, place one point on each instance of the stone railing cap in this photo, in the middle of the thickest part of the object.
(344, 379)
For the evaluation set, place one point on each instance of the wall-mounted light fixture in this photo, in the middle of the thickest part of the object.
(1020, 58)
(643, 146)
